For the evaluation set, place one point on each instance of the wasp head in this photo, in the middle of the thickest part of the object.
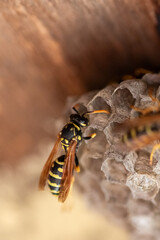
(81, 120)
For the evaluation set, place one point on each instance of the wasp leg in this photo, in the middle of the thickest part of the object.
(150, 93)
(145, 111)
(89, 137)
(154, 99)
(157, 146)
(77, 167)
(151, 108)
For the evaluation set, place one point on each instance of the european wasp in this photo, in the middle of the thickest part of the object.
(144, 130)
(59, 171)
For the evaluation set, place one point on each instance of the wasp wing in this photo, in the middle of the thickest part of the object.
(52, 157)
(68, 171)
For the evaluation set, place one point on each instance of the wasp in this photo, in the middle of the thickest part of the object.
(144, 130)
(59, 171)
(138, 73)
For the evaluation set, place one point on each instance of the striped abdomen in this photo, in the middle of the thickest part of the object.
(140, 136)
(55, 175)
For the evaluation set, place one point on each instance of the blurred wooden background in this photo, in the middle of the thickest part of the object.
(51, 49)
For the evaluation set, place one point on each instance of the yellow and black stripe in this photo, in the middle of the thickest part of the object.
(55, 175)
(136, 133)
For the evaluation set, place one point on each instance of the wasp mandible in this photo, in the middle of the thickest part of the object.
(59, 171)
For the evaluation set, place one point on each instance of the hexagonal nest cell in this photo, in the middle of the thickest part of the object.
(113, 179)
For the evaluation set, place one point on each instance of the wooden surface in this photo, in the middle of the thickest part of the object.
(53, 49)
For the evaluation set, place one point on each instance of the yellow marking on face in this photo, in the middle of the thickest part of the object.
(60, 163)
(53, 184)
(60, 169)
(54, 175)
(66, 141)
(133, 132)
(83, 124)
(62, 139)
(54, 191)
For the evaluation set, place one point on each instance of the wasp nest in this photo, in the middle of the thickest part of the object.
(120, 182)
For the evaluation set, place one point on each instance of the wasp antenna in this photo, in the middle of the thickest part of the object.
(97, 111)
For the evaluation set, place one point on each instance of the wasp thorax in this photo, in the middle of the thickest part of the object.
(81, 120)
